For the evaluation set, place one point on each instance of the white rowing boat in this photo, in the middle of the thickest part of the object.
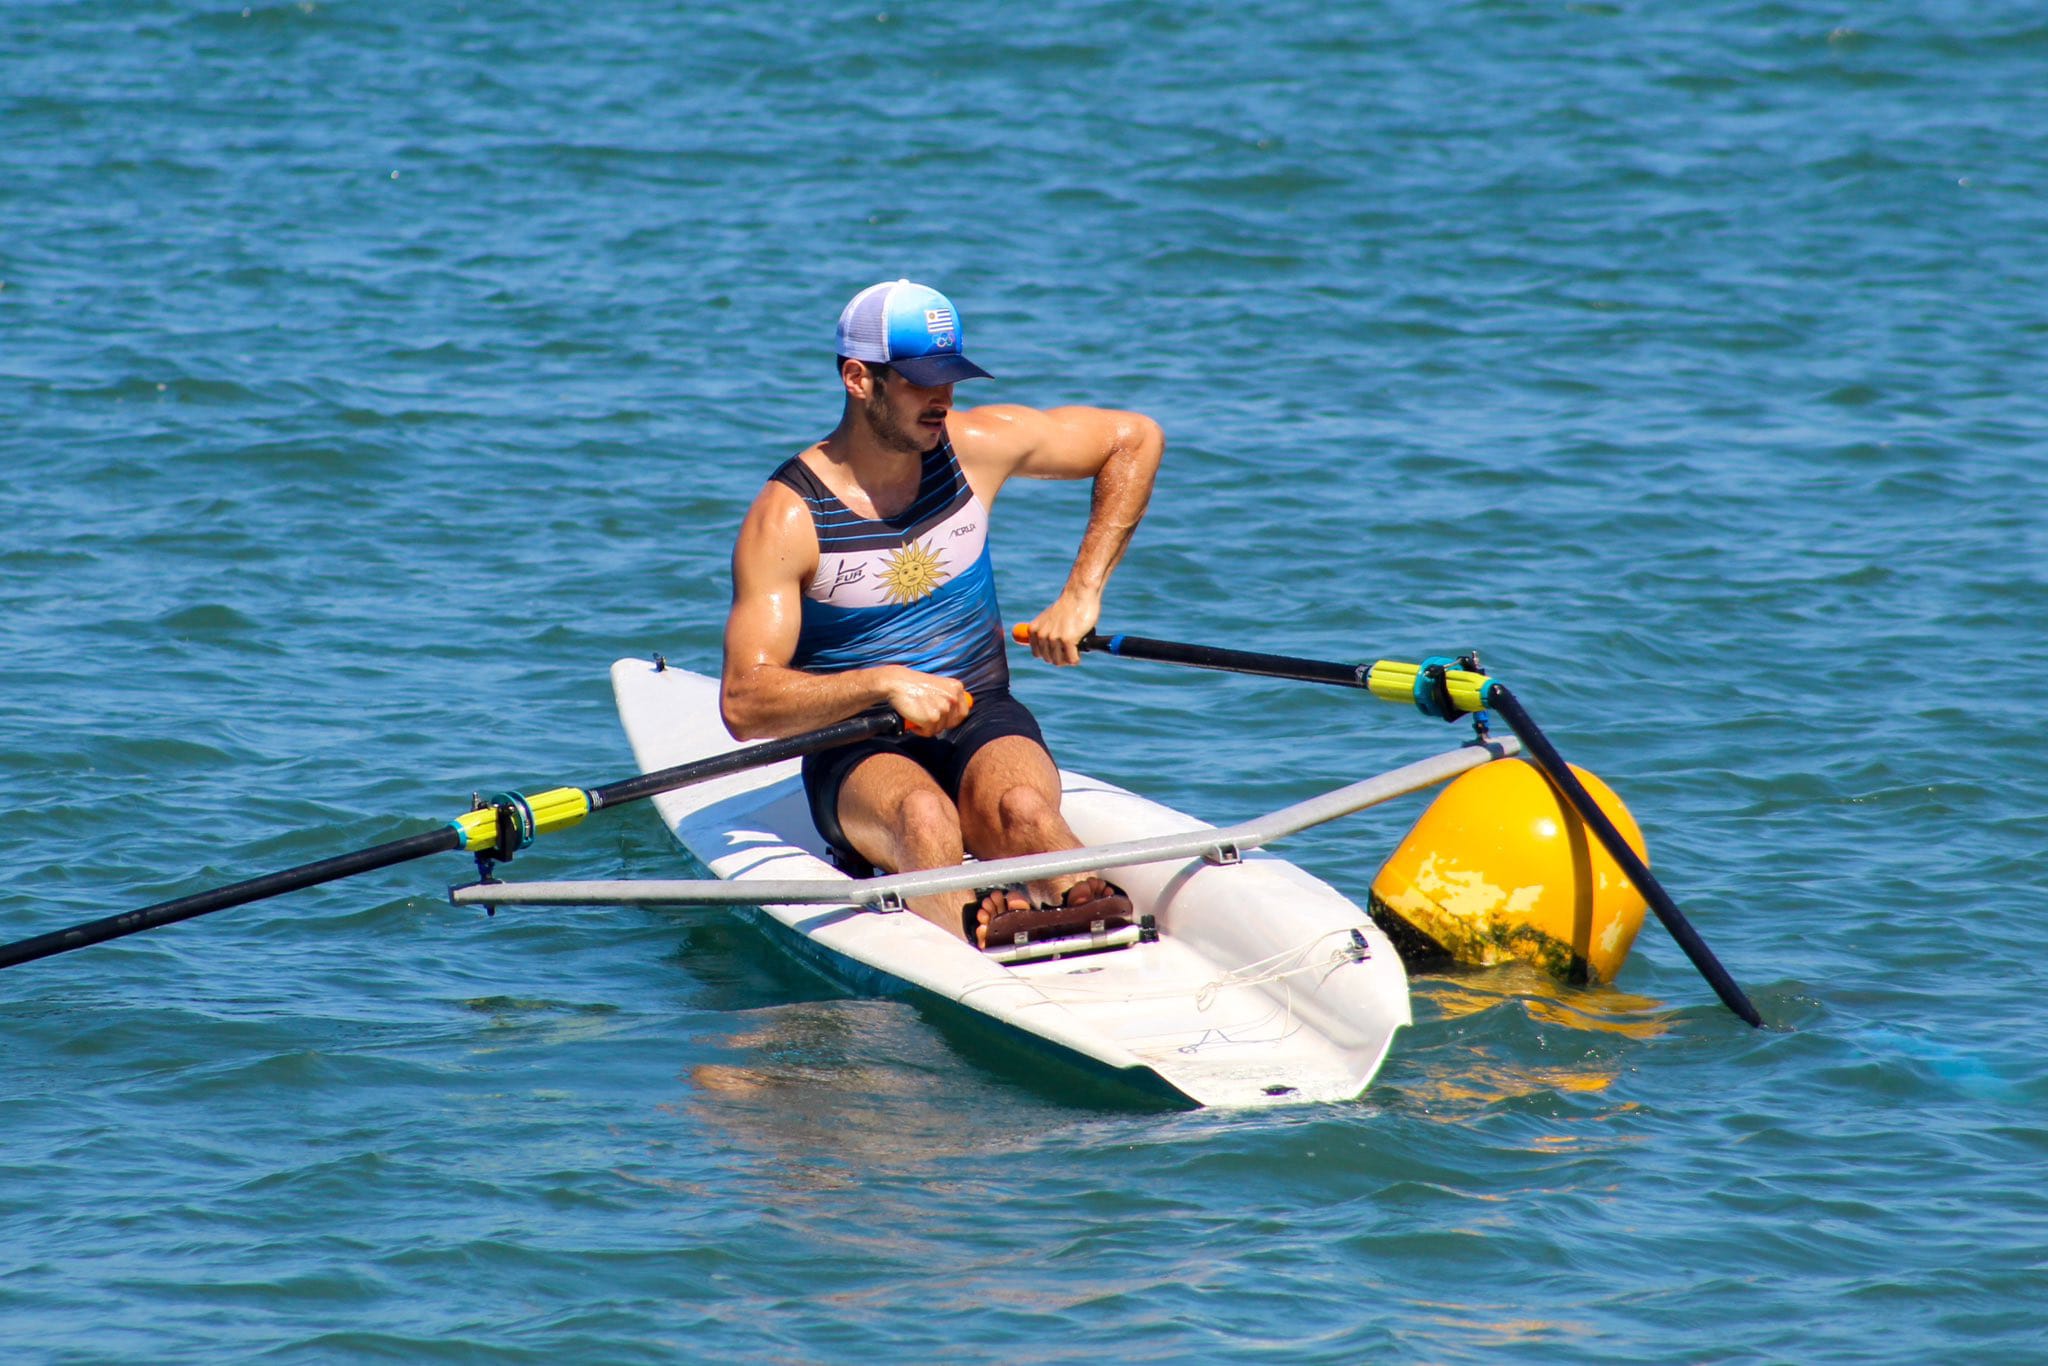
(1263, 986)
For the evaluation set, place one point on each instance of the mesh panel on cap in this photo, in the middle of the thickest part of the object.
(863, 325)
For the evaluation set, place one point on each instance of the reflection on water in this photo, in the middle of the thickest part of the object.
(830, 1093)
(1545, 999)
(1507, 1333)
(521, 1022)
(1457, 1097)
(1478, 1036)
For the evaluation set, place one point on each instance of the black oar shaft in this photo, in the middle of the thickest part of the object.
(1545, 754)
(235, 894)
(863, 727)
(440, 840)
(1493, 694)
(1229, 661)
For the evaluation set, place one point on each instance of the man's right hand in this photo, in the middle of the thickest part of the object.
(927, 703)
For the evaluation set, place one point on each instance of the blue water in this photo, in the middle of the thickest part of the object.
(372, 375)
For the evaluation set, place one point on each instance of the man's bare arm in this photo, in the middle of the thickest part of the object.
(760, 696)
(1120, 451)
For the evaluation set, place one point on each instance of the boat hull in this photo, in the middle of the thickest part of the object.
(1266, 985)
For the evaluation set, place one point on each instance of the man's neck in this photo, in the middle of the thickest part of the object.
(854, 447)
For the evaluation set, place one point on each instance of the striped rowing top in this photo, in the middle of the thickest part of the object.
(916, 589)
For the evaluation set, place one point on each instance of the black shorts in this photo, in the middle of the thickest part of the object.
(944, 756)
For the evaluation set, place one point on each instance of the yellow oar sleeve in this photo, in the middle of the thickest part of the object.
(556, 809)
(1395, 682)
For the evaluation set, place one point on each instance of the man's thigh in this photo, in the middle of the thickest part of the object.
(888, 803)
(998, 768)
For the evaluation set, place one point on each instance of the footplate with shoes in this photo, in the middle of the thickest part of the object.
(1092, 916)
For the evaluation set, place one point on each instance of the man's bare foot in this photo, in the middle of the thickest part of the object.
(995, 904)
(1091, 890)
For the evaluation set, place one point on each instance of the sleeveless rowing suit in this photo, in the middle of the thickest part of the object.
(917, 589)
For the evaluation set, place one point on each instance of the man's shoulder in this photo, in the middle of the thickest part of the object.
(1018, 424)
(991, 419)
(994, 430)
(780, 513)
(777, 542)
(779, 498)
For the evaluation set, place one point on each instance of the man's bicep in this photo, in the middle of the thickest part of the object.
(761, 629)
(768, 573)
(1075, 443)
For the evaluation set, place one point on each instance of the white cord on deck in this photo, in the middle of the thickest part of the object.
(1269, 970)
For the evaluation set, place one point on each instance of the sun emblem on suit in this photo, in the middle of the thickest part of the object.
(912, 573)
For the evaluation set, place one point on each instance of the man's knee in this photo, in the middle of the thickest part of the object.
(924, 816)
(1022, 806)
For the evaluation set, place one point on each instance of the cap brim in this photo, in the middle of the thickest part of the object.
(929, 372)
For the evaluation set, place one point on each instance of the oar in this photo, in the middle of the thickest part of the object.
(494, 831)
(1440, 688)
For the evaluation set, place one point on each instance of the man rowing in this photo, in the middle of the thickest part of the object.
(862, 578)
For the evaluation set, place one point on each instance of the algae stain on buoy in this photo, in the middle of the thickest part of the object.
(1500, 868)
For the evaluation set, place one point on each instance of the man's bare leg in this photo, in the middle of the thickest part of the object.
(900, 820)
(1010, 805)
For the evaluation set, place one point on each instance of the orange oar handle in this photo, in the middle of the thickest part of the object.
(1021, 633)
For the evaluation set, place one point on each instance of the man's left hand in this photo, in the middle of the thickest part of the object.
(1057, 631)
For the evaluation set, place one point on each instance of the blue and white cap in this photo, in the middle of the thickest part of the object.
(910, 328)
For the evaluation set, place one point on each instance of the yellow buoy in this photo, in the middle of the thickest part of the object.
(1500, 868)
